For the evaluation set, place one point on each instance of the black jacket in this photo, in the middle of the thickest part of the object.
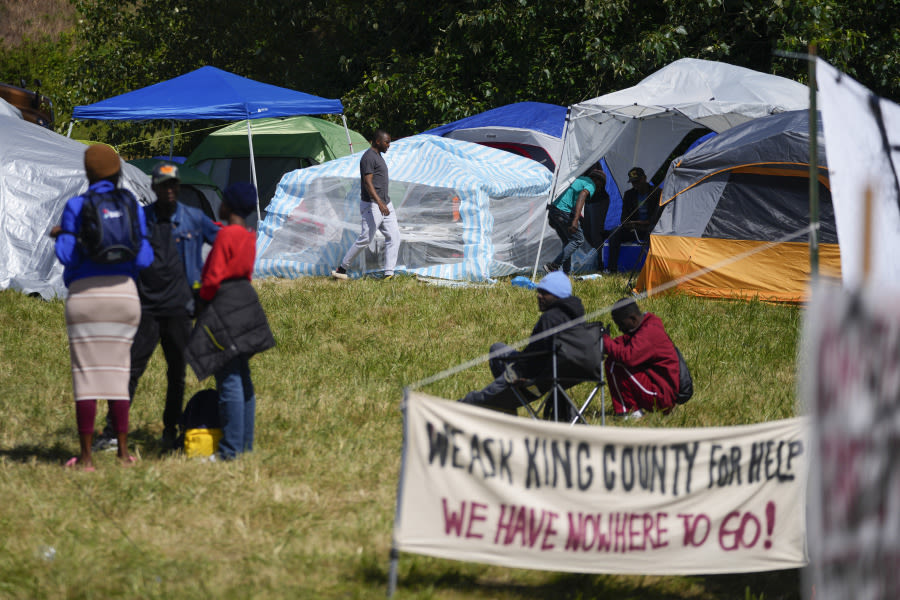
(163, 286)
(232, 324)
(630, 207)
(561, 311)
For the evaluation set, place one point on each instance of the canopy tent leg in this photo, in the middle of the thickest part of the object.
(172, 143)
(69, 132)
(253, 172)
(537, 259)
(347, 131)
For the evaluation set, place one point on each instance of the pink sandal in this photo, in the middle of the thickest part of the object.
(72, 463)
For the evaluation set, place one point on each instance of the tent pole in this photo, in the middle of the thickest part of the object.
(813, 169)
(253, 172)
(69, 132)
(347, 131)
(172, 142)
(537, 259)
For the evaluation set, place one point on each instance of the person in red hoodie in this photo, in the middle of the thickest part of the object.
(641, 364)
(231, 325)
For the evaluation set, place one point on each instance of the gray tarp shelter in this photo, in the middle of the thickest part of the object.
(214, 94)
(641, 125)
(39, 171)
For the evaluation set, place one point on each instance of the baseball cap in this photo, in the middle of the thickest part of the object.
(556, 283)
(635, 174)
(163, 173)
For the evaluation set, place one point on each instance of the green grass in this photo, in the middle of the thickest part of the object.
(309, 513)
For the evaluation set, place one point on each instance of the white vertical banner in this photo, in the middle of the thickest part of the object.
(485, 487)
(862, 143)
(851, 382)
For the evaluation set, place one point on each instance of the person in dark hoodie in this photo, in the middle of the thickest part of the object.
(641, 364)
(558, 306)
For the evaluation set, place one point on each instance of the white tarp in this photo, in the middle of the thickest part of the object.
(851, 383)
(466, 212)
(8, 110)
(480, 486)
(39, 171)
(862, 138)
(643, 124)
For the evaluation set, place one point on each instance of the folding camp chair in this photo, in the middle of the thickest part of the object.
(576, 357)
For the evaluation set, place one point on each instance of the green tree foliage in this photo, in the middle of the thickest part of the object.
(408, 66)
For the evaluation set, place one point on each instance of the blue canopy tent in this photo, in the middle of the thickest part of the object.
(210, 93)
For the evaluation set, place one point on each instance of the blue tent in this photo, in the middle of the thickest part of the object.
(531, 129)
(208, 93)
(549, 119)
(466, 212)
(535, 130)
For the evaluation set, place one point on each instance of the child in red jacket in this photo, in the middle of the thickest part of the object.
(233, 326)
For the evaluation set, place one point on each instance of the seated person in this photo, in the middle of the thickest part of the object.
(641, 364)
(640, 206)
(557, 306)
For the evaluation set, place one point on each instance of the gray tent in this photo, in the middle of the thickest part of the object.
(745, 190)
(39, 171)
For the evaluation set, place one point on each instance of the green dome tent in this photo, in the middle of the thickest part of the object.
(279, 146)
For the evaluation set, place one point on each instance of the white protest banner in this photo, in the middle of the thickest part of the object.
(851, 381)
(862, 140)
(481, 486)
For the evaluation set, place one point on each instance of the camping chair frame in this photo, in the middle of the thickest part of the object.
(557, 391)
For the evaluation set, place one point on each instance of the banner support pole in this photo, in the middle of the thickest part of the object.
(395, 553)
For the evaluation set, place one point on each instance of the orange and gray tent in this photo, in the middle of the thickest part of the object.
(737, 207)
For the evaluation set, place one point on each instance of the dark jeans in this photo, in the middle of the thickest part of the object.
(560, 222)
(498, 394)
(172, 333)
(237, 407)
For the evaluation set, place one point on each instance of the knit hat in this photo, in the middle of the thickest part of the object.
(556, 283)
(100, 162)
(240, 197)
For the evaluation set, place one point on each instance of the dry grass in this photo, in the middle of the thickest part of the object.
(309, 513)
(21, 20)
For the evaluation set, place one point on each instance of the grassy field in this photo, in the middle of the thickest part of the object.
(309, 513)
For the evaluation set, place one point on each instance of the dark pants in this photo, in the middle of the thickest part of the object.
(560, 222)
(499, 395)
(172, 333)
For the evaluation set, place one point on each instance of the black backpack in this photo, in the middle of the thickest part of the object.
(685, 381)
(110, 231)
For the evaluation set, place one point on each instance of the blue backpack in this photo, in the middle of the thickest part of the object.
(110, 231)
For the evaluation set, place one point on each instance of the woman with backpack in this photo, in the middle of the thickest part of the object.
(102, 243)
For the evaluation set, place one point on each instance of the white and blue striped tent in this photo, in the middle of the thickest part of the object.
(466, 212)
